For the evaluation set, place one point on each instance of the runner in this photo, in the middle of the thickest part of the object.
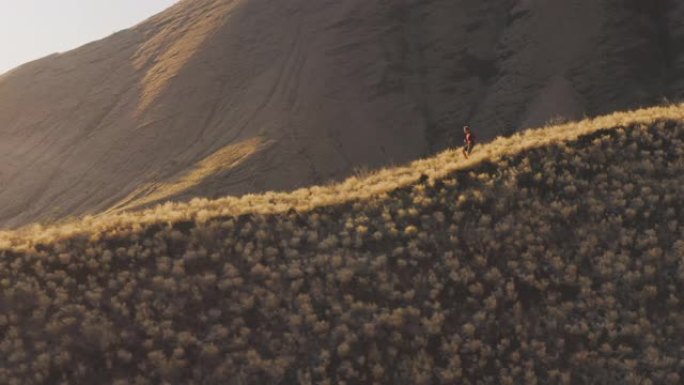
(469, 141)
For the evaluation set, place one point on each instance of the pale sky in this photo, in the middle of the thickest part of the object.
(31, 29)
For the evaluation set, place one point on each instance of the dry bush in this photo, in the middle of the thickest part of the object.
(556, 263)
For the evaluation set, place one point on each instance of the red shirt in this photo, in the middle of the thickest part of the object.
(470, 139)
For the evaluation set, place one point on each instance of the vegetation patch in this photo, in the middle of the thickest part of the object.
(560, 263)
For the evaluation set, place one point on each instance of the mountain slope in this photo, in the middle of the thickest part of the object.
(553, 256)
(216, 97)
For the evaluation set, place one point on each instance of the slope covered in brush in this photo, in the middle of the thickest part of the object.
(551, 261)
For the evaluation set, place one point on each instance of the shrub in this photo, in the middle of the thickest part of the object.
(554, 268)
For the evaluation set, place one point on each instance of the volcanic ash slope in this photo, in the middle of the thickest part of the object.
(215, 97)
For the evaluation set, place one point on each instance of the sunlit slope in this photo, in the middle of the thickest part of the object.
(555, 256)
(227, 97)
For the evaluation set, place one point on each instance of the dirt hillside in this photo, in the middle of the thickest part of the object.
(216, 97)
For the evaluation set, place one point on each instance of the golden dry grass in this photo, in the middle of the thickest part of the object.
(555, 256)
(220, 161)
(354, 188)
(165, 54)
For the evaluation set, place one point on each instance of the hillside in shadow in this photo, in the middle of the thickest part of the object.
(217, 97)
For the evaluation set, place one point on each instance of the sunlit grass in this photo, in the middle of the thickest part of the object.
(165, 54)
(220, 161)
(354, 188)
(551, 257)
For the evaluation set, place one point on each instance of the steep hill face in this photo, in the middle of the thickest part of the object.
(551, 257)
(219, 97)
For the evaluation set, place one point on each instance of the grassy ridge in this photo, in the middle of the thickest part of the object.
(555, 256)
(354, 188)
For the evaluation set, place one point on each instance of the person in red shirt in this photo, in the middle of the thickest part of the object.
(469, 141)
